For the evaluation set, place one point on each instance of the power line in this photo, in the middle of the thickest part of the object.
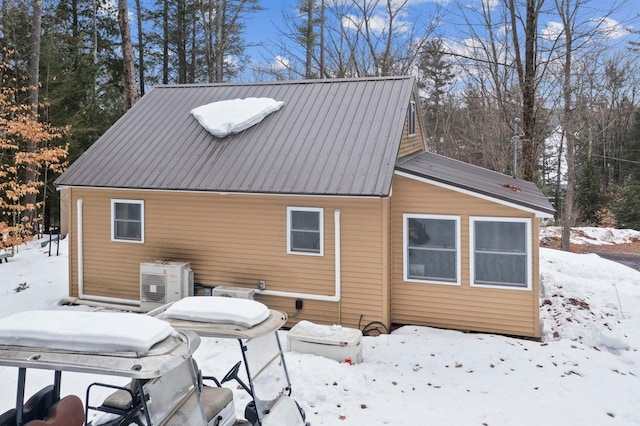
(617, 159)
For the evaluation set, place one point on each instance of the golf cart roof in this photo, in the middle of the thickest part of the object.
(223, 317)
(91, 342)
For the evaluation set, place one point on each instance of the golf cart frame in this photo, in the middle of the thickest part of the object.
(170, 357)
(267, 378)
(165, 384)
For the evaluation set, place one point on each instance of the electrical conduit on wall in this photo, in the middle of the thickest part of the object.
(321, 297)
(81, 294)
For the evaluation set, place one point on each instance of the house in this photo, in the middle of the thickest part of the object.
(332, 202)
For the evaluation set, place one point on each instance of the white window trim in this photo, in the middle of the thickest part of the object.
(113, 220)
(321, 223)
(405, 248)
(472, 220)
(412, 117)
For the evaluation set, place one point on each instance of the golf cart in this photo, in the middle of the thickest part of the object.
(165, 386)
(255, 327)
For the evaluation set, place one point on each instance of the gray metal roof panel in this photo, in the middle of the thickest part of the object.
(476, 179)
(333, 137)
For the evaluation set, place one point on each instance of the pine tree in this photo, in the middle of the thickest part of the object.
(590, 197)
(625, 209)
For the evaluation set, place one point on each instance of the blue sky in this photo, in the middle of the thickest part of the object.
(262, 27)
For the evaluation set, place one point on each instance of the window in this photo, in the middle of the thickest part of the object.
(431, 249)
(412, 118)
(501, 252)
(305, 231)
(127, 220)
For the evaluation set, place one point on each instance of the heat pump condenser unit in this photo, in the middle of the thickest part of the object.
(238, 292)
(163, 282)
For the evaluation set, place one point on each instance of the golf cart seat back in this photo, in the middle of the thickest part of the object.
(215, 400)
(37, 407)
(120, 399)
(69, 411)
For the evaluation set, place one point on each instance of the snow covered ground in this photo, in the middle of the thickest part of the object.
(585, 371)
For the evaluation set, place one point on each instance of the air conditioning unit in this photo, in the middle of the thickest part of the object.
(163, 282)
(238, 292)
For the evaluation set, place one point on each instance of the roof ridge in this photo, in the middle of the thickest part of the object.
(284, 82)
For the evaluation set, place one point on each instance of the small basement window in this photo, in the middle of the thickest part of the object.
(501, 252)
(305, 231)
(412, 118)
(127, 220)
(432, 249)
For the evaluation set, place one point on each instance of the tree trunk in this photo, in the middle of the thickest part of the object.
(568, 216)
(181, 42)
(219, 42)
(140, 47)
(131, 91)
(321, 72)
(309, 40)
(34, 81)
(527, 80)
(165, 42)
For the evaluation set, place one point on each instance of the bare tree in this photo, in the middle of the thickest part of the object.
(357, 38)
(131, 91)
(140, 29)
(31, 172)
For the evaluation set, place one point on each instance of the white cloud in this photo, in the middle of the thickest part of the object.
(377, 24)
(610, 28)
(280, 63)
(552, 31)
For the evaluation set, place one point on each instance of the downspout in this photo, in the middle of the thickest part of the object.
(81, 295)
(338, 273)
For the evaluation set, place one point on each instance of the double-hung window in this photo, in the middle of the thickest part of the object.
(127, 220)
(305, 231)
(412, 118)
(432, 249)
(501, 252)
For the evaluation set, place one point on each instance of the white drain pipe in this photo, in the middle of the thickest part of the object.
(338, 273)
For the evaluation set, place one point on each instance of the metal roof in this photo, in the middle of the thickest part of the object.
(438, 168)
(331, 137)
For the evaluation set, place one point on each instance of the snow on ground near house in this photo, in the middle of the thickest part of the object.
(593, 236)
(234, 115)
(585, 371)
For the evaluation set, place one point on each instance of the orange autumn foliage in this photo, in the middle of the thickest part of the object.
(19, 124)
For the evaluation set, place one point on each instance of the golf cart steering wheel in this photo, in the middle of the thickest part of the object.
(233, 373)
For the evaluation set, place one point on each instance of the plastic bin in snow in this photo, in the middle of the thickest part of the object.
(331, 341)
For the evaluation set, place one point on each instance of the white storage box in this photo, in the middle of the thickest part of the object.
(330, 341)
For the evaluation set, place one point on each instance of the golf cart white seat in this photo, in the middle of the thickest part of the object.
(215, 400)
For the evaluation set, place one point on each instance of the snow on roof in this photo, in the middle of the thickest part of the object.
(83, 331)
(215, 309)
(234, 115)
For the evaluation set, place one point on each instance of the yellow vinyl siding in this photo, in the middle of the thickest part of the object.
(463, 307)
(238, 240)
(413, 143)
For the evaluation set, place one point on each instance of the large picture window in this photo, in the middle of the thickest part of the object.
(127, 220)
(501, 252)
(432, 249)
(305, 231)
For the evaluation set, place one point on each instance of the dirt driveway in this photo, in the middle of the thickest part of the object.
(627, 254)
